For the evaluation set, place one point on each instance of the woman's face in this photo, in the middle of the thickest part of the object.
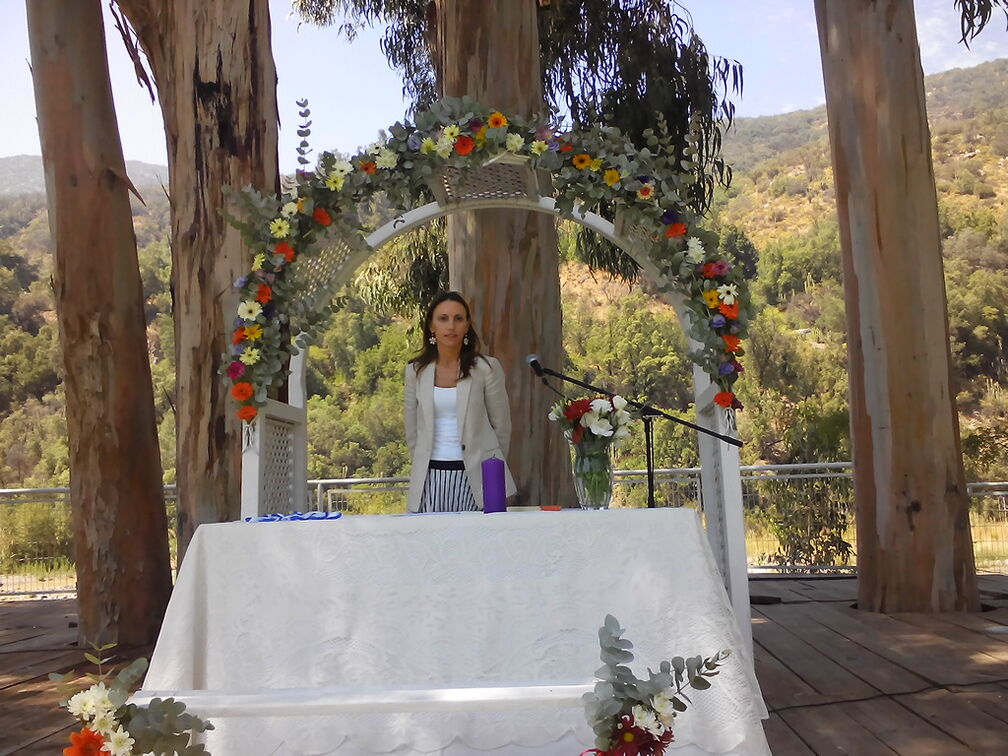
(449, 323)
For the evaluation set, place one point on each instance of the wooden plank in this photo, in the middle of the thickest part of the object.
(50, 744)
(901, 729)
(829, 589)
(830, 730)
(875, 670)
(819, 671)
(978, 642)
(982, 622)
(783, 740)
(29, 712)
(990, 699)
(19, 668)
(780, 589)
(935, 659)
(960, 718)
(781, 687)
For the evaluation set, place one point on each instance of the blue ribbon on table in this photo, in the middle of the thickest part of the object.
(295, 516)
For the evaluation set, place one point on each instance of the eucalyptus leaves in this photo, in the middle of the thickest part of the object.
(633, 717)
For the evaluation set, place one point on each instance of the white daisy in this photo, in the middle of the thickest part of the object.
(694, 250)
(119, 743)
(728, 293)
(386, 158)
(342, 168)
(249, 310)
(514, 142)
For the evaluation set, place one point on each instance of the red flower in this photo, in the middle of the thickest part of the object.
(239, 336)
(285, 249)
(575, 410)
(729, 310)
(675, 230)
(247, 412)
(578, 434)
(724, 398)
(464, 145)
(368, 166)
(85, 743)
(242, 391)
(264, 293)
(708, 270)
(731, 342)
(566, 147)
(321, 216)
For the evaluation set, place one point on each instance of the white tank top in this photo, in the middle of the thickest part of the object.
(447, 445)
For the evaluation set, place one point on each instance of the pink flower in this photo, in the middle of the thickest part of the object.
(235, 370)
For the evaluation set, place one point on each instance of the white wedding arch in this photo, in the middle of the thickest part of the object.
(464, 156)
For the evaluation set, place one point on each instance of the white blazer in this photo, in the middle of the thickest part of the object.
(484, 421)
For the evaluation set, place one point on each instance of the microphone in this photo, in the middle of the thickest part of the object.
(533, 362)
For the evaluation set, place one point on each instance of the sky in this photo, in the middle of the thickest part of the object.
(353, 94)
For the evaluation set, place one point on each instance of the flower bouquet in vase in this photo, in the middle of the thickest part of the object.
(593, 426)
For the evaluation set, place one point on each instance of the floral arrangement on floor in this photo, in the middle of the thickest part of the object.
(633, 717)
(648, 189)
(113, 727)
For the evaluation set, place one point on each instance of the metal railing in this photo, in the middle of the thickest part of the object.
(798, 519)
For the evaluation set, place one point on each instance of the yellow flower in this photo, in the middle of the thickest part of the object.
(481, 136)
(249, 356)
(253, 332)
(427, 146)
(582, 161)
(334, 181)
(596, 164)
(538, 147)
(497, 120)
(300, 204)
(711, 298)
(611, 176)
(279, 227)
(451, 132)
(258, 261)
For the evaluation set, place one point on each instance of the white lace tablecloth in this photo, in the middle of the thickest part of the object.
(363, 634)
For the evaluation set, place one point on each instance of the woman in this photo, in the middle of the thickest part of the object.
(457, 412)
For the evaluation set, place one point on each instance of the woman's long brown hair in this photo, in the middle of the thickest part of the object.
(428, 353)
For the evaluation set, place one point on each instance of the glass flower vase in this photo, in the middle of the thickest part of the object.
(593, 473)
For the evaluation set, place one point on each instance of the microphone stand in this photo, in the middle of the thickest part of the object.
(648, 415)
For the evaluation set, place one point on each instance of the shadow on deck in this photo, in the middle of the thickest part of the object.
(835, 680)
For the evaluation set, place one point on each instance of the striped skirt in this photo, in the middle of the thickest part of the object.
(447, 488)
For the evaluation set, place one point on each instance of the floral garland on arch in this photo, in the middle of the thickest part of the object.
(648, 189)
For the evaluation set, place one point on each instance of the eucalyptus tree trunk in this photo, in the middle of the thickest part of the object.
(216, 82)
(119, 524)
(914, 549)
(506, 261)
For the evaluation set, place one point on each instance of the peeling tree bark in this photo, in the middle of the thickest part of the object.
(216, 82)
(506, 262)
(915, 553)
(120, 528)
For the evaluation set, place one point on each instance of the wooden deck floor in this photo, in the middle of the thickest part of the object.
(836, 680)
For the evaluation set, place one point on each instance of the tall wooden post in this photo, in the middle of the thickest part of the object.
(914, 549)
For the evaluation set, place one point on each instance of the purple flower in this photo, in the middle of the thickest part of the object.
(237, 349)
(734, 328)
(669, 217)
(268, 310)
(239, 322)
(736, 404)
(544, 133)
(554, 145)
(718, 321)
(303, 175)
(239, 283)
(726, 368)
(475, 125)
(644, 179)
(413, 141)
(738, 366)
(721, 268)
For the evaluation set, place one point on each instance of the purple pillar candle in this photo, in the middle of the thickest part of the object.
(494, 499)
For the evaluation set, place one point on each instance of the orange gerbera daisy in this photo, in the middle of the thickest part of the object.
(497, 120)
(264, 293)
(239, 336)
(675, 230)
(582, 161)
(285, 249)
(85, 743)
(729, 310)
(321, 216)
(731, 342)
(724, 398)
(368, 166)
(247, 412)
(464, 145)
(243, 391)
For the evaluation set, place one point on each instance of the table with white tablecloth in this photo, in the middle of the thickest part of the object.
(444, 633)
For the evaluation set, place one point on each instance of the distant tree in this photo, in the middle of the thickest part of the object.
(119, 523)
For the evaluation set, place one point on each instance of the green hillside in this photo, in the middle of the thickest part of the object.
(777, 218)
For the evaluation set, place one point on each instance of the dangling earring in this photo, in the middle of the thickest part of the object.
(432, 340)
(465, 340)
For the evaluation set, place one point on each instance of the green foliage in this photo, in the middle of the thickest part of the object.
(34, 531)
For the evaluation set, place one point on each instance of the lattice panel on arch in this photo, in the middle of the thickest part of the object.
(319, 274)
(640, 236)
(504, 178)
(276, 457)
